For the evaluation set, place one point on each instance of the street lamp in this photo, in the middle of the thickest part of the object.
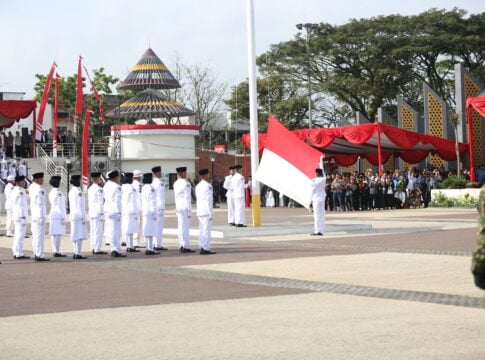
(213, 159)
(308, 27)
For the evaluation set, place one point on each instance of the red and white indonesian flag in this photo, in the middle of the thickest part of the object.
(288, 164)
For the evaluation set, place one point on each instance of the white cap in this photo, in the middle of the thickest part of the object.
(137, 173)
(10, 178)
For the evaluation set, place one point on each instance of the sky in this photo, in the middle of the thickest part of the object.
(114, 33)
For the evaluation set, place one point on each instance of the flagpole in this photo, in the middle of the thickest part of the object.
(253, 116)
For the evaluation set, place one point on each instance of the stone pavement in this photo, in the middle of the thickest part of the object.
(382, 285)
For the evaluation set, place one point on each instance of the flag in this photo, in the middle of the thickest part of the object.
(54, 120)
(43, 103)
(97, 96)
(85, 146)
(79, 89)
(288, 164)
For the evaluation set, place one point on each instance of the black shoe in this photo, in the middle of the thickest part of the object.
(107, 244)
(99, 252)
(21, 257)
(206, 252)
(36, 258)
(160, 248)
(79, 257)
(185, 250)
(117, 254)
(316, 234)
(123, 244)
(150, 252)
(59, 255)
(232, 224)
(132, 250)
(241, 225)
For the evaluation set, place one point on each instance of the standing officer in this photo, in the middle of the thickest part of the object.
(8, 206)
(38, 215)
(57, 216)
(205, 202)
(159, 187)
(238, 187)
(137, 176)
(149, 213)
(478, 259)
(96, 213)
(318, 199)
(183, 207)
(79, 224)
(20, 212)
(229, 199)
(130, 212)
(112, 209)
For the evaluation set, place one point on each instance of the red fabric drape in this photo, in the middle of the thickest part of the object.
(97, 96)
(43, 103)
(54, 120)
(85, 159)
(79, 88)
(17, 109)
(478, 103)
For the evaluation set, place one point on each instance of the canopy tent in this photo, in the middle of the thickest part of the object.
(14, 110)
(375, 142)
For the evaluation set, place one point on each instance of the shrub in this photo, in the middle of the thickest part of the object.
(453, 182)
(473, 185)
(441, 200)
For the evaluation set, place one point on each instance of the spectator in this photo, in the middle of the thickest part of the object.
(9, 145)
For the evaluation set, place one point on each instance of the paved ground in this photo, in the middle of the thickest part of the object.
(402, 290)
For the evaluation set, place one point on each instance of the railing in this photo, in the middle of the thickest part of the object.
(70, 149)
(50, 166)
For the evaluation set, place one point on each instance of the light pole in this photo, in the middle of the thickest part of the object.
(213, 159)
(68, 167)
(308, 27)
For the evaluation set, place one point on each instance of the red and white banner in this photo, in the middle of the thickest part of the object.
(39, 127)
(79, 89)
(288, 164)
(97, 96)
(85, 147)
(56, 115)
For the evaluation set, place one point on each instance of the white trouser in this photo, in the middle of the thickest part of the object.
(239, 215)
(78, 247)
(319, 216)
(114, 235)
(230, 211)
(19, 237)
(137, 237)
(183, 228)
(96, 233)
(10, 223)
(149, 242)
(129, 240)
(56, 243)
(160, 225)
(38, 237)
(205, 225)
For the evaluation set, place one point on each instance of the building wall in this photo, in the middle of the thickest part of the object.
(221, 163)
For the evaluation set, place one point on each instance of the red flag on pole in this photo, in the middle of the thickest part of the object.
(97, 96)
(85, 145)
(43, 103)
(79, 91)
(56, 113)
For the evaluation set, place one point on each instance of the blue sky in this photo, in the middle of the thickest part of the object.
(114, 33)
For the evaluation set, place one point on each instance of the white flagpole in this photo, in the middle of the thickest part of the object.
(253, 116)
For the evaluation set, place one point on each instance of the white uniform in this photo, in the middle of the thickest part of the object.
(159, 187)
(12, 167)
(96, 216)
(238, 193)
(230, 200)
(57, 217)
(183, 207)
(205, 201)
(149, 214)
(318, 199)
(130, 213)
(38, 215)
(137, 236)
(79, 226)
(112, 209)
(20, 212)
(4, 169)
(22, 169)
(270, 199)
(8, 207)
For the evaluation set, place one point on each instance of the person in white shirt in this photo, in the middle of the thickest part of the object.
(205, 202)
(23, 168)
(12, 167)
(159, 187)
(57, 216)
(112, 210)
(229, 199)
(130, 211)
(238, 187)
(270, 199)
(8, 207)
(96, 213)
(183, 207)
(38, 215)
(4, 169)
(20, 213)
(78, 217)
(318, 200)
(137, 175)
(149, 213)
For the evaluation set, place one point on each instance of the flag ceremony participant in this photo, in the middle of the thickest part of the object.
(205, 202)
(183, 207)
(130, 212)
(8, 207)
(137, 184)
(4, 169)
(229, 199)
(238, 187)
(78, 217)
(318, 200)
(96, 213)
(38, 215)
(112, 209)
(149, 213)
(20, 212)
(159, 187)
(57, 216)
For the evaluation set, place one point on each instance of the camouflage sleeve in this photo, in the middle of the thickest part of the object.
(478, 259)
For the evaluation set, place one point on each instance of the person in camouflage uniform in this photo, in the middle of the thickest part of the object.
(478, 260)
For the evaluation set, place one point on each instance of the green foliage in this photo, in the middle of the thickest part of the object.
(453, 182)
(441, 200)
(473, 185)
